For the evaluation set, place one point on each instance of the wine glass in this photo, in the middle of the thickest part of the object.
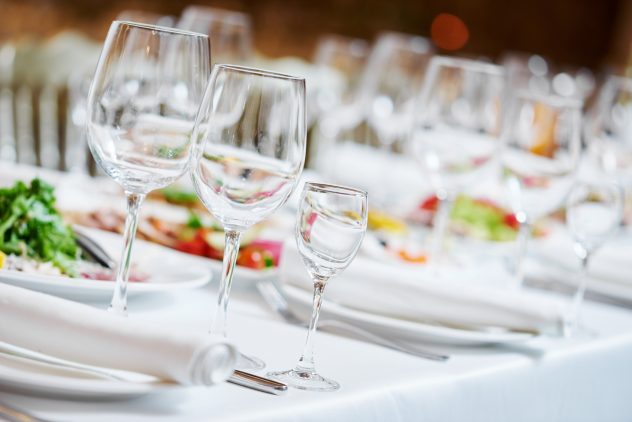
(539, 158)
(229, 31)
(593, 214)
(456, 133)
(339, 61)
(393, 74)
(329, 230)
(142, 104)
(249, 153)
(609, 129)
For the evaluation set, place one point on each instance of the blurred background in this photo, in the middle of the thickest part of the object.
(578, 32)
(49, 48)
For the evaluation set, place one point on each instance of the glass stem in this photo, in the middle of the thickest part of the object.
(119, 299)
(521, 251)
(573, 313)
(306, 362)
(441, 220)
(231, 250)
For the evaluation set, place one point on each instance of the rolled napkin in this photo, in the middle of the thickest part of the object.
(82, 334)
(415, 294)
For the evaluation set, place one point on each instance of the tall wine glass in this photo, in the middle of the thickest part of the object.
(540, 155)
(457, 130)
(142, 104)
(249, 153)
(229, 31)
(593, 214)
(393, 74)
(329, 230)
(609, 129)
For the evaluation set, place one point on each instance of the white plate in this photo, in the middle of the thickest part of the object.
(168, 270)
(301, 301)
(28, 376)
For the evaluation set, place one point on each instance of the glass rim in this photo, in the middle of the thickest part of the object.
(552, 100)
(258, 71)
(159, 28)
(470, 64)
(332, 188)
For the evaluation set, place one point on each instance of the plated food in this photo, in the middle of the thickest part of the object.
(197, 234)
(35, 239)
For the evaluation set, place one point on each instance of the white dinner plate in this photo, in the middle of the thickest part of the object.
(301, 301)
(28, 376)
(168, 270)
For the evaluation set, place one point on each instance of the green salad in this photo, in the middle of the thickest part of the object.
(30, 226)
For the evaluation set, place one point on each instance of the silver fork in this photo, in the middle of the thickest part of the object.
(275, 299)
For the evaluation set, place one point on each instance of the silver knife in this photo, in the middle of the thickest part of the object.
(256, 382)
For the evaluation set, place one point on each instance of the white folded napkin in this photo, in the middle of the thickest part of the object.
(80, 333)
(415, 294)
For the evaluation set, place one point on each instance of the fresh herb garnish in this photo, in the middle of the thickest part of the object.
(30, 225)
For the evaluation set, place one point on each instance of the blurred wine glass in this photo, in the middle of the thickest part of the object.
(340, 61)
(142, 104)
(609, 129)
(330, 226)
(230, 32)
(249, 153)
(457, 130)
(393, 75)
(594, 210)
(540, 155)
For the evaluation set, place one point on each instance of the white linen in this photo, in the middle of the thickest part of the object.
(610, 263)
(549, 379)
(415, 294)
(80, 333)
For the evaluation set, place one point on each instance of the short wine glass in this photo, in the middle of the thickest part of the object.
(329, 230)
(593, 214)
(539, 158)
(142, 104)
(456, 131)
(249, 153)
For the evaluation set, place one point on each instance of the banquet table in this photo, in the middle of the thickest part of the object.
(587, 378)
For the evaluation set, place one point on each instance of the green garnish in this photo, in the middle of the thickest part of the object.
(179, 196)
(483, 221)
(32, 226)
(194, 221)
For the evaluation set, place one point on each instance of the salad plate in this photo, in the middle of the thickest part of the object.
(301, 301)
(163, 270)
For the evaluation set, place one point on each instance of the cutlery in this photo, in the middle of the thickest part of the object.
(241, 378)
(274, 298)
(94, 250)
(13, 414)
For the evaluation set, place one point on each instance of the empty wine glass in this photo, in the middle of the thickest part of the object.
(593, 214)
(229, 32)
(142, 104)
(609, 129)
(249, 153)
(539, 158)
(457, 130)
(329, 230)
(392, 76)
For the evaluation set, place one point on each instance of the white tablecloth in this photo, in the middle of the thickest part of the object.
(585, 379)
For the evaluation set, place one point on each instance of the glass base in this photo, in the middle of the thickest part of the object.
(305, 380)
(245, 362)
